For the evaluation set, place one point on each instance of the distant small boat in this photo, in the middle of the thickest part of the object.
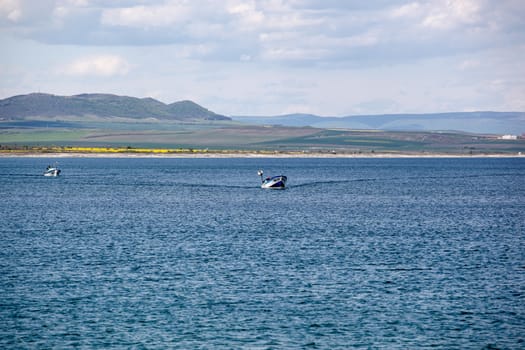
(52, 170)
(275, 182)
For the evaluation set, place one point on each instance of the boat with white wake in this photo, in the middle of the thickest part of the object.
(277, 182)
(52, 170)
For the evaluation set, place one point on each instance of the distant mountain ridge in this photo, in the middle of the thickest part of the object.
(484, 122)
(37, 109)
(101, 105)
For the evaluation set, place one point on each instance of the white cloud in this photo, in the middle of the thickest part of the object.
(247, 13)
(103, 65)
(11, 10)
(408, 10)
(452, 13)
(245, 58)
(348, 49)
(148, 16)
(78, 3)
(293, 54)
(443, 15)
(469, 64)
(193, 51)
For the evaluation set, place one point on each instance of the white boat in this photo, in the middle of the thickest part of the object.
(52, 170)
(277, 182)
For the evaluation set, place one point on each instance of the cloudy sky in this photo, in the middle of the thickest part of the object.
(267, 57)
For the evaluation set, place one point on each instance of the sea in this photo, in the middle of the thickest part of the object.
(190, 253)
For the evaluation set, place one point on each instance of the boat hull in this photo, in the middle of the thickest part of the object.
(275, 183)
(52, 172)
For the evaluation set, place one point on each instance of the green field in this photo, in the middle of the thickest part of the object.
(44, 137)
(233, 136)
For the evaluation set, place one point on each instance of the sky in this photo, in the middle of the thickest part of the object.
(271, 57)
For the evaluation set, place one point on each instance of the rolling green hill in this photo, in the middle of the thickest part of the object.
(31, 106)
(102, 120)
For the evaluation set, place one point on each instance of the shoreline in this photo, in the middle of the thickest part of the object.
(255, 154)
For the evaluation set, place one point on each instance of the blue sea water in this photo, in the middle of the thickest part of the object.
(192, 254)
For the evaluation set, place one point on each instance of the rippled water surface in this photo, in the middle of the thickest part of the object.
(191, 253)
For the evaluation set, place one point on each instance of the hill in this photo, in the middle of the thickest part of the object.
(24, 107)
(103, 120)
(473, 122)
